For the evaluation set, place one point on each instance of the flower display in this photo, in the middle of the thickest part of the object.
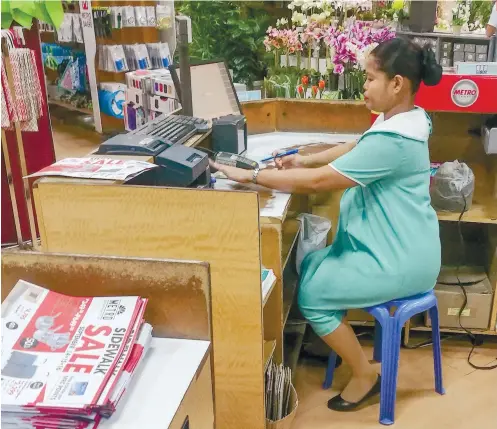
(460, 13)
(351, 46)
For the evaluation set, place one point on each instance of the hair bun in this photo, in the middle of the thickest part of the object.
(431, 71)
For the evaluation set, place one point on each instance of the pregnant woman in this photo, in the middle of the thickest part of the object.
(387, 244)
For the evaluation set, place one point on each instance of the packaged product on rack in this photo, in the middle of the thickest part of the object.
(129, 19)
(164, 16)
(65, 31)
(77, 28)
(140, 16)
(116, 14)
(150, 11)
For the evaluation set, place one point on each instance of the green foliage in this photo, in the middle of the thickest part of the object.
(480, 10)
(22, 12)
(228, 30)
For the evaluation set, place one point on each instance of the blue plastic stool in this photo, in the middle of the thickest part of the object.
(387, 346)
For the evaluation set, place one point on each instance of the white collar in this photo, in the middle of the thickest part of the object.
(415, 124)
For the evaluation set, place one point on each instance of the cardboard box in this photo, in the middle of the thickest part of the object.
(470, 47)
(481, 49)
(458, 56)
(447, 46)
(476, 314)
(447, 54)
(446, 62)
(481, 58)
(469, 57)
(458, 47)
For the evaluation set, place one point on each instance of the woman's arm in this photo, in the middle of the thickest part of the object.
(298, 180)
(325, 157)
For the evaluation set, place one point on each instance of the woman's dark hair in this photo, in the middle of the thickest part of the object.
(405, 58)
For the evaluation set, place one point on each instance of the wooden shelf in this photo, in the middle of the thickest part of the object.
(269, 347)
(454, 330)
(290, 233)
(69, 106)
(484, 206)
(268, 294)
(289, 288)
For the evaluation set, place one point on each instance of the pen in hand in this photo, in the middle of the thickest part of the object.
(279, 155)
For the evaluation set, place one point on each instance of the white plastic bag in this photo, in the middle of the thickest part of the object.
(313, 234)
(452, 187)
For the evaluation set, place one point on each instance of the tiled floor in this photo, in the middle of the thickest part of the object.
(72, 141)
(470, 400)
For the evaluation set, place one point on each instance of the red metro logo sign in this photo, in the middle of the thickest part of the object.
(464, 93)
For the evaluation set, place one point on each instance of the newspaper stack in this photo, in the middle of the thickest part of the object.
(278, 391)
(67, 361)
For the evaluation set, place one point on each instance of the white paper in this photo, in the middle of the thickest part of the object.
(95, 168)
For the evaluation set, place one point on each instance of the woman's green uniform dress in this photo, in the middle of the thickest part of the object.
(387, 244)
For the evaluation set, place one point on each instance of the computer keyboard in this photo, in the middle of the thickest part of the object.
(174, 129)
(154, 137)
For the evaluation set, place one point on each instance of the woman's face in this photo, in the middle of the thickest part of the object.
(381, 93)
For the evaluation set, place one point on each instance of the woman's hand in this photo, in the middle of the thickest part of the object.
(289, 161)
(236, 174)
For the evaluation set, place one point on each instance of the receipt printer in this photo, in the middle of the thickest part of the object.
(179, 166)
(229, 134)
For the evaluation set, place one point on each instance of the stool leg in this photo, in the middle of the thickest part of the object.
(437, 350)
(330, 370)
(389, 371)
(377, 341)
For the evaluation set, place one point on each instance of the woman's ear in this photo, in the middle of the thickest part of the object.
(398, 83)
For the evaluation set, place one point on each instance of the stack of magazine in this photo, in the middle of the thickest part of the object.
(278, 392)
(67, 361)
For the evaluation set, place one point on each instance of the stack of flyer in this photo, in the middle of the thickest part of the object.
(67, 361)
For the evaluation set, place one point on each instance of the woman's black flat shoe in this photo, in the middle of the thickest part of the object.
(337, 403)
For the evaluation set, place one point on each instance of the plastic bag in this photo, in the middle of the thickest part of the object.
(452, 187)
(313, 234)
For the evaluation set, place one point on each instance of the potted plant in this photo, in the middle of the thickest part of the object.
(460, 16)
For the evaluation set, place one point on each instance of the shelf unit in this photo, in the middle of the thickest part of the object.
(440, 37)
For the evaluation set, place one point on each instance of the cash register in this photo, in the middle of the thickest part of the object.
(213, 98)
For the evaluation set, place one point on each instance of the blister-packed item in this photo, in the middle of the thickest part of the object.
(129, 19)
(452, 187)
(65, 33)
(150, 11)
(140, 16)
(164, 16)
(77, 28)
(116, 14)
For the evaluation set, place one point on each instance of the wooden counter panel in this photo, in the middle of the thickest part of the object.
(322, 116)
(178, 291)
(260, 115)
(156, 222)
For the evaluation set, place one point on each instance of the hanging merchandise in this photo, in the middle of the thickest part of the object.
(111, 58)
(151, 21)
(65, 32)
(160, 55)
(77, 28)
(164, 16)
(28, 100)
(9, 114)
(129, 19)
(140, 16)
(116, 16)
(102, 22)
(111, 97)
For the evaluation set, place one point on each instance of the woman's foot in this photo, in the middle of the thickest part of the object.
(359, 390)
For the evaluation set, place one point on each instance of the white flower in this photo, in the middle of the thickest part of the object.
(327, 13)
(291, 6)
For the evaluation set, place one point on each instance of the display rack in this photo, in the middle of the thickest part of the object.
(449, 37)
